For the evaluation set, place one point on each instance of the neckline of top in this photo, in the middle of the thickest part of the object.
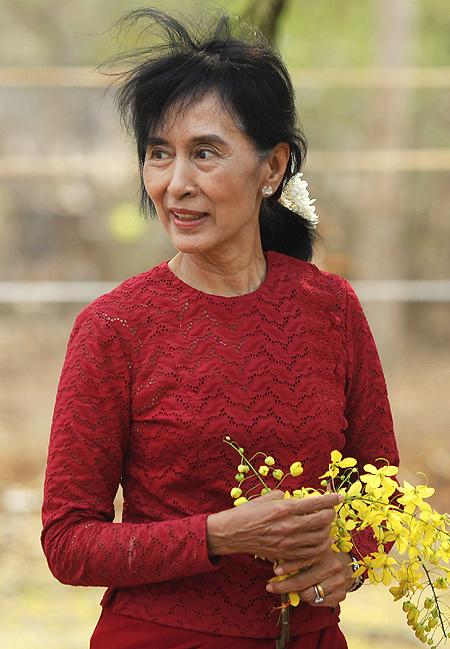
(176, 281)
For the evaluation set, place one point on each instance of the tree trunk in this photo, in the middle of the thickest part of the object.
(265, 15)
(381, 235)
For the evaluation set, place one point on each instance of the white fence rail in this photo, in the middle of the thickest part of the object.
(124, 166)
(388, 290)
(345, 77)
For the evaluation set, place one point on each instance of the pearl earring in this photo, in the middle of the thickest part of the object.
(267, 190)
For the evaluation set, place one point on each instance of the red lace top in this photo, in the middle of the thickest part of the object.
(156, 374)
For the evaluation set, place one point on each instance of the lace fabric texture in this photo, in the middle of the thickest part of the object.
(156, 374)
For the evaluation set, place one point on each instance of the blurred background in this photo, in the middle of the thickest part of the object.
(372, 80)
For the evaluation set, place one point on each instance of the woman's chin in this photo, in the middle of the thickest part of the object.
(190, 246)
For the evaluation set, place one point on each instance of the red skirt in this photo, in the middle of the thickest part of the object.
(117, 631)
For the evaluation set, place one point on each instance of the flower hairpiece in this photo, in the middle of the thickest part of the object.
(295, 197)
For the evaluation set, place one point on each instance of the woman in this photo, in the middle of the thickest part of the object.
(238, 334)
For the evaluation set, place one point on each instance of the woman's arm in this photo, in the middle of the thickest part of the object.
(85, 461)
(370, 432)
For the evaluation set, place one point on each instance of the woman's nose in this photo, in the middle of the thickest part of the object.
(181, 181)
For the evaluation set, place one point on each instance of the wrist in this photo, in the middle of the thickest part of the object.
(218, 534)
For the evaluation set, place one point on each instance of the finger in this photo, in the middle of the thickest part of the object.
(294, 532)
(298, 552)
(290, 523)
(298, 582)
(332, 595)
(317, 520)
(317, 554)
(314, 503)
(332, 582)
(329, 570)
(274, 494)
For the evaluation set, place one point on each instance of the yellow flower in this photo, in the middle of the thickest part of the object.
(236, 492)
(296, 469)
(380, 479)
(399, 591)
(379, 568)
(413, 496)
(240, 501)
(243, 468)
(338, 463)
(269, 460)
(277, 474)
(294, 599)
(354, 489)
(263, 470)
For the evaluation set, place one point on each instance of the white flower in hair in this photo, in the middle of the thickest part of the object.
(295, 197)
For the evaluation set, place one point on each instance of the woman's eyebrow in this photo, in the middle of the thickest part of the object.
(151, 140)
(208, 137)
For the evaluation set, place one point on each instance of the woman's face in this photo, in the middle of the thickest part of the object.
(204, 177)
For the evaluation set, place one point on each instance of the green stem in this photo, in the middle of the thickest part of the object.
(230, 443)
(435, 598)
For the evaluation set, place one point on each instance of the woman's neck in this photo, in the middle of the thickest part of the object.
(225, 277)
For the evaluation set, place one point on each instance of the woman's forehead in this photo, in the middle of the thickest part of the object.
(207, 114)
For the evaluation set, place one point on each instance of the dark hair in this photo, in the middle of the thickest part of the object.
(253, 84)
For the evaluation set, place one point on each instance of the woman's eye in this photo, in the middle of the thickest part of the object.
(205, 154)
(157, 154)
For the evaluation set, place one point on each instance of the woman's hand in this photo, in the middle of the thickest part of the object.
(274, 528)
(333, 573)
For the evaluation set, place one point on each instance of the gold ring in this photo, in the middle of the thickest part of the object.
(321, 592)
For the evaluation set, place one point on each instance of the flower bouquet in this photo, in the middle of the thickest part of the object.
(401, 521)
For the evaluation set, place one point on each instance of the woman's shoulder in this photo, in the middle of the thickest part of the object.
(311, 278)
(130, 300)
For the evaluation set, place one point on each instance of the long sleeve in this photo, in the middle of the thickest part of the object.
(370, 432)
(87, 449)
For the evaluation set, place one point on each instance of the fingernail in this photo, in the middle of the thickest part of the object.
(341, 498)
(278, 570)
(269, 588)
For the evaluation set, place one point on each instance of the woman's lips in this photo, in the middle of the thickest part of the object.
(187, 218)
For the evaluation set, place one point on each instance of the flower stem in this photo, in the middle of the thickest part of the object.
(230, 443)
(435, 598)
(283, 638)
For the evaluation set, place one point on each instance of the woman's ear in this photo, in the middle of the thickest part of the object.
(277, 161)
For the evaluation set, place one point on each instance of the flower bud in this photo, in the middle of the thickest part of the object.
(240, 501)
(277, 474)
(263, 470)
(296, 469)
(264, 491)
(269, 461)
(243, 468)
(236, 492)
(239, 477)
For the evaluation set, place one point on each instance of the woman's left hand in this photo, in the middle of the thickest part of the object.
(333, 573)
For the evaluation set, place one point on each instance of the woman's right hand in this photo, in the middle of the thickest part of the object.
(274, 528)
